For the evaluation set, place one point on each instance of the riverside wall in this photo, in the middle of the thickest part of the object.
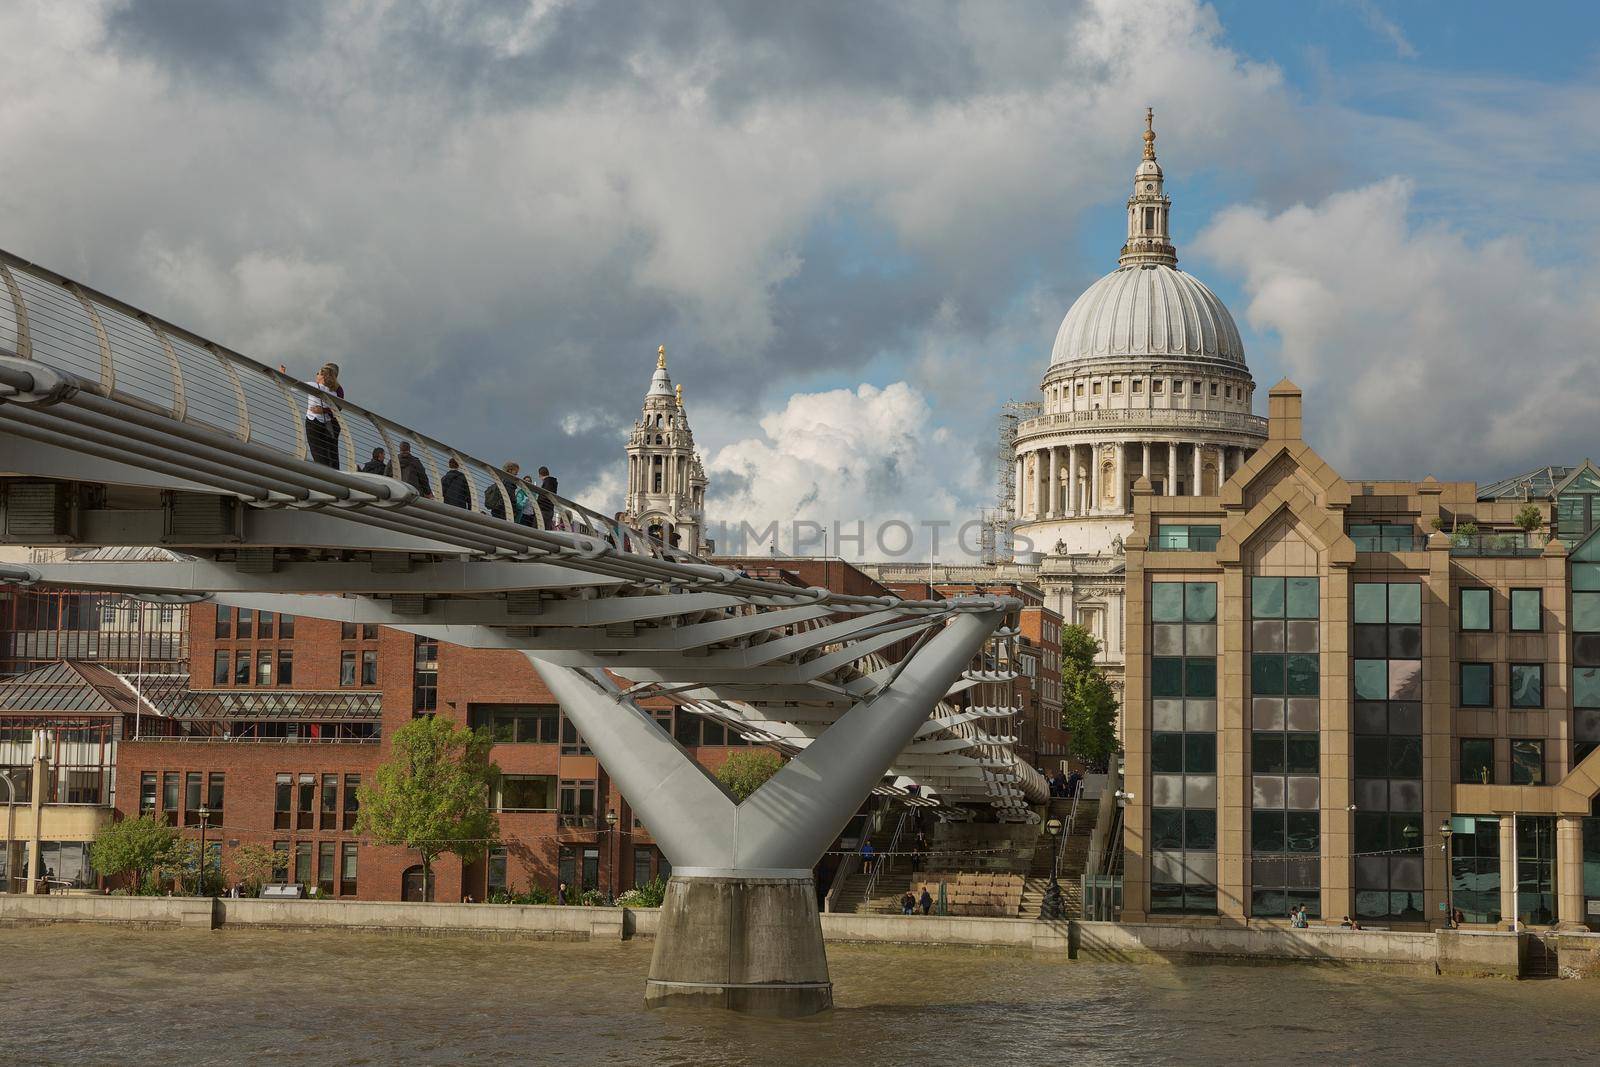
(1464, 953)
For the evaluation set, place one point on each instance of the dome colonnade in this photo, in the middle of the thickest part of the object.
(1147, 378)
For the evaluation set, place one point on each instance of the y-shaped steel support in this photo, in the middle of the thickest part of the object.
(740, 926)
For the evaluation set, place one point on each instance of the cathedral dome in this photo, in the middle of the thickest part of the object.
(1148, 311)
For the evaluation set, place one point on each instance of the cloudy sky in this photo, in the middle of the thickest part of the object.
(855, 227)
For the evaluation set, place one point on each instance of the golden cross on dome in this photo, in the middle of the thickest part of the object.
(661, 358)
(1149, 133)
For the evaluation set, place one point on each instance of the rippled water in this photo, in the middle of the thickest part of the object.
(97, 994)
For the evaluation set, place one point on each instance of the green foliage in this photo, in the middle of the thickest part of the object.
(1088, 704)
(536, 894)
(745, 772)
(1437, 522)
(143, 847)
(252, 865)
(649, 895)
(432, 794)
(590, 898)
(1530, 518)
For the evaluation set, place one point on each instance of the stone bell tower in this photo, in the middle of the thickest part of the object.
(666, 481)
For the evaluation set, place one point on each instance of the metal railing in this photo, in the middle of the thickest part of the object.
(1156, 418)
(84, 370)
(841, 875)
(1494, 543)
(894, 845)
(119, 352)
(1066, 833)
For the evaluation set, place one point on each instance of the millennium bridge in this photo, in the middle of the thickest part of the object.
(119, 428)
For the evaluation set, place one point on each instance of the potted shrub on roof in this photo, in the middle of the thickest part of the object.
(1529, 519)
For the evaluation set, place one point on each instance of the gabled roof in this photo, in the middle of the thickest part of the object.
(1576, 473)
(1540, 484)
(172, 697)
(68, 686)
(125, 554)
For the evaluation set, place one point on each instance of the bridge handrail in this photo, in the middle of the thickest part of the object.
(159, 376)
(119, 351)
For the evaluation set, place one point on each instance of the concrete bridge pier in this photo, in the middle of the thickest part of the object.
(748, 944)
(739, 928)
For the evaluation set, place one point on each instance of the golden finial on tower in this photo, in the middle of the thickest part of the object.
(1149, 133)
(678, 389)
(661, 358)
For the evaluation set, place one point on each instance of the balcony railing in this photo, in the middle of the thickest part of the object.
(1156, 418)
(1495, 543)
(1389, 542)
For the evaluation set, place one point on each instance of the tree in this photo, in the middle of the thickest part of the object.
(137, 846)
(432, 794)
(1088, 704)
(253, 864)
(745, 772)
(1530, 518)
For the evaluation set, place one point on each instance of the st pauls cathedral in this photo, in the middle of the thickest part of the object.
(1147, 378)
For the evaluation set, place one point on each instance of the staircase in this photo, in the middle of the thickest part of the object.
(880, 891)
(1074, 852)
(1540, 960)
(893, 880)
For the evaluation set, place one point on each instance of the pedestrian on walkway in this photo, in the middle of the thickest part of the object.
(502, 494)
(926, 901)
(412, 472)
(378, 464)
(547, 499)
(526, 505)
(454, 488)
(867, 854)
(322, 429)
(908, 904)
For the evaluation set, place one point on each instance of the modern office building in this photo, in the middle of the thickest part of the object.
(1330, 681)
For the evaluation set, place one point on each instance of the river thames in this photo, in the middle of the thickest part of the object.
(82, 994)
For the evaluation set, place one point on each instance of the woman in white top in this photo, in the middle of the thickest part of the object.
(322, 428)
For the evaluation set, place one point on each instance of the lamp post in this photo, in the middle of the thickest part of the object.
(1051, 908)
(1445, 832)
(11, 827)
(611, 867)
(200, 866)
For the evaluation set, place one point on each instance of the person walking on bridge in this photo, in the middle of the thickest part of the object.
(378, 464)
(412, 472)
(502, 494)
(547, 499)
(453, 486)
(322, 429)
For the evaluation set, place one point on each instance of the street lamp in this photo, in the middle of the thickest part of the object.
(1051, 908)
(611, 868)
(1445, 831)
(200, 867)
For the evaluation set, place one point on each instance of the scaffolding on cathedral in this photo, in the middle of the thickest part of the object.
(995, 538)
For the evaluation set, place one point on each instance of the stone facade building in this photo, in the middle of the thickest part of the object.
(1147, 379)
(1329, 679)
(666, 481)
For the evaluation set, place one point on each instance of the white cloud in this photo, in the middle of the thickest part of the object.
(868, 463)
(511, 210)
(1419, 350)
(1385, 27)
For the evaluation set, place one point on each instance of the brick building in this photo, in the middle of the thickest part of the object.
(293, 718)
